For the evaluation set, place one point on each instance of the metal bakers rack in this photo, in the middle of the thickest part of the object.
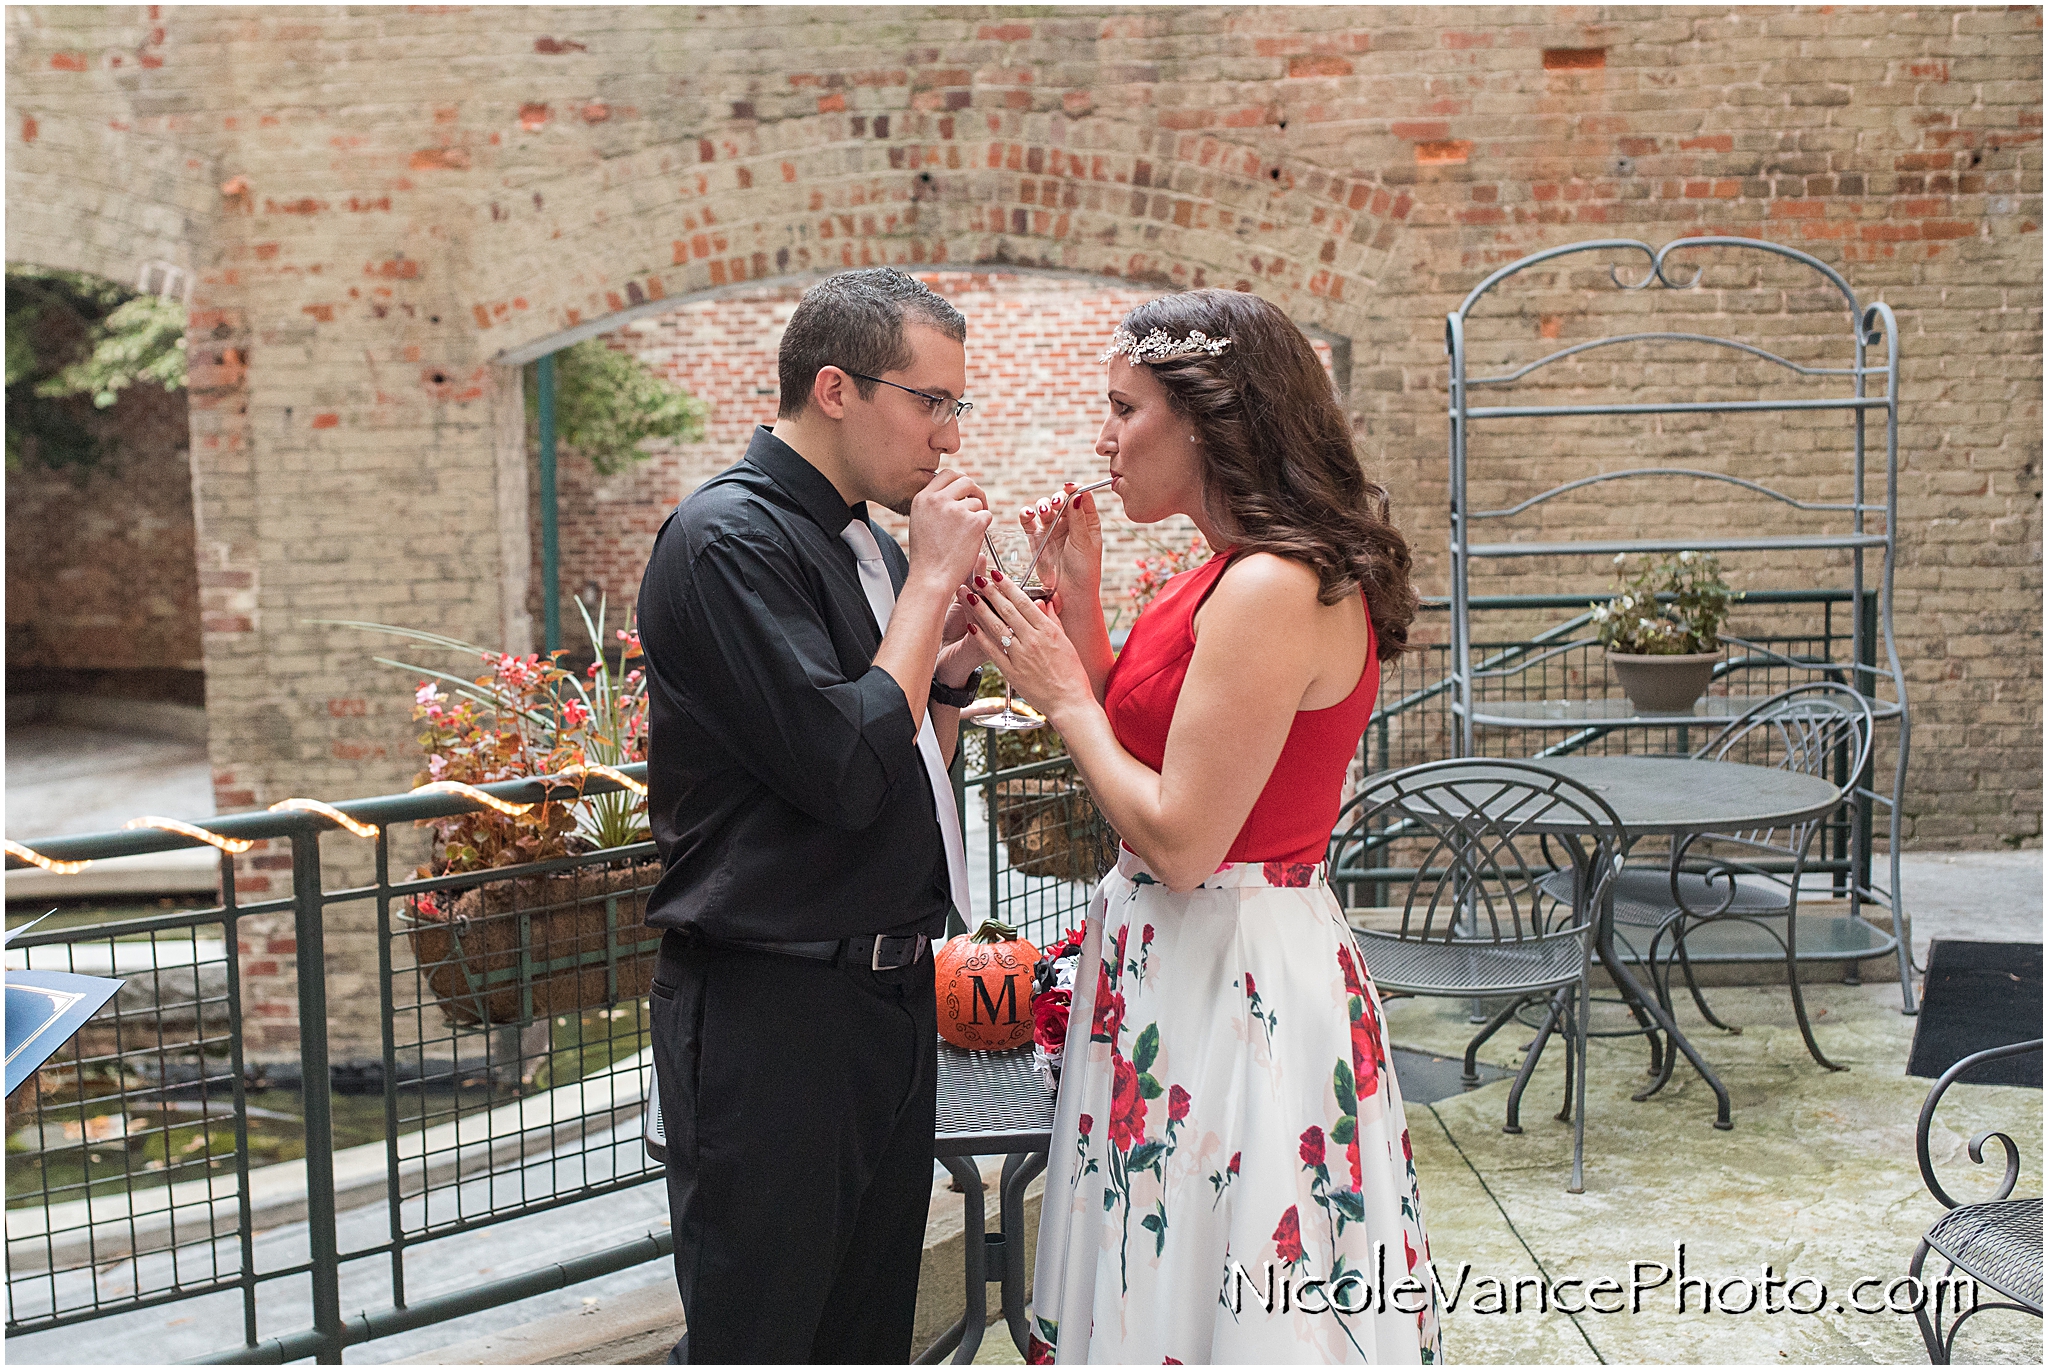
(1727, 280)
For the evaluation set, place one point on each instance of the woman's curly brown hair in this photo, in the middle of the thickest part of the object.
(1279, 468)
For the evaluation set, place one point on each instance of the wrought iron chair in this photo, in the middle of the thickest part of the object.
(1996, 1242)
(1749, 877)
(1475, 920)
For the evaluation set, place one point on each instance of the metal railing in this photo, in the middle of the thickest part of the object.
(514, 1066)
(514, 1054)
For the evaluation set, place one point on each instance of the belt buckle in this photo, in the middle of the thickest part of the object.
(917, 949)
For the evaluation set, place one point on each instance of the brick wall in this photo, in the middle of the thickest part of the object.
(1032, 341)
(495, 179)
(101, 571)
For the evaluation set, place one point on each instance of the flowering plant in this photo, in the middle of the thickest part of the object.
(1687, 618)
(1163, 564)
(529, 716)
(1052, 995)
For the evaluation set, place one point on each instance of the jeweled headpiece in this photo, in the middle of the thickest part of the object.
(1157, 347)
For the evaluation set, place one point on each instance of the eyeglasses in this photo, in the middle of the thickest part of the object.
(943, 410)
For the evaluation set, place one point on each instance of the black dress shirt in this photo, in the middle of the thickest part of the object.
(785, 787)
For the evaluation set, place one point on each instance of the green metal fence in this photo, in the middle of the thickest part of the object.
(514, 1066)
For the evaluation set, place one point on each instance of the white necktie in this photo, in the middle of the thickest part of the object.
(881, 593)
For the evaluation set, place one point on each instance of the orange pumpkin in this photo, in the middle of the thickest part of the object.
(984, 984)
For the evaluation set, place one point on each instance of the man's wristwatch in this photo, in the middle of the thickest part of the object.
(956, 699)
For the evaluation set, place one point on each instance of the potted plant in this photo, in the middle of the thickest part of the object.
(510, 950)
(1662, 628)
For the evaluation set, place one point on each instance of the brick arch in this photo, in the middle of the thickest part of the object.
(154, 201)
(1033, 337)
(697, 215)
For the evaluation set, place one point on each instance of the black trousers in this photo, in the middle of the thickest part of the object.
(799, 1100)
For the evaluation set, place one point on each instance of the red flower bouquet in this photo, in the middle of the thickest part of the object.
(1053, 996)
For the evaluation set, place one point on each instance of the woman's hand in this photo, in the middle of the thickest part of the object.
(1076, 542)
(1030, 648)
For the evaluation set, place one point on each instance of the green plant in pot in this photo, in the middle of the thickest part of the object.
(1662, 628)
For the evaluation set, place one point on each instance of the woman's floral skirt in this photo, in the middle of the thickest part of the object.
(1230, 1177)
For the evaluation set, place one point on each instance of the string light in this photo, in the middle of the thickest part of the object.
(36, 858)
(232, 845)
(489, 801)
(593, 768)
(328, 812)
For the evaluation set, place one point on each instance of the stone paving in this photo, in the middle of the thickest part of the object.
(1817, 1179)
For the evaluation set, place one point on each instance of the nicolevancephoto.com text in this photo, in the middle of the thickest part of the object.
(1272, 1288)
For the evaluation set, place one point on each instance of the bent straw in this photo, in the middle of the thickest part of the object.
(1065, 505)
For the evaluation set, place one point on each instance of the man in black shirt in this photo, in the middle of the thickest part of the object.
(804, 678)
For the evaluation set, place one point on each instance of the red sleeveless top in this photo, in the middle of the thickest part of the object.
(1298, 807)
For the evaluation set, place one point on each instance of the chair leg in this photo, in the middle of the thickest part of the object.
(1692, 986)
(1790, 941)
(1514, 1122)
(1569, 1019)
(1479, 1039)
(1930, 1332)
(1581, 1000)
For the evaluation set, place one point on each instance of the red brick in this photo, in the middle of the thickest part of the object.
(1318, 66)
(1574, 59)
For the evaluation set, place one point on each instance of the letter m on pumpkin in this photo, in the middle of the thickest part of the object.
(1007, 999)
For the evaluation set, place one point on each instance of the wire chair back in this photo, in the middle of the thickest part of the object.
(1821, 729)
(1482, 835)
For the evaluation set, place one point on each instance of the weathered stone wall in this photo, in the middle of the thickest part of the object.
(381, 203)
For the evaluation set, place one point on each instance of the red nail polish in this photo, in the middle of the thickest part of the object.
(972, 629)
(996, 576)
(980, 583)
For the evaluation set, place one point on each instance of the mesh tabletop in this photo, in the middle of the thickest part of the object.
(1663, 794)
(1998, 1243)
(991, 1102)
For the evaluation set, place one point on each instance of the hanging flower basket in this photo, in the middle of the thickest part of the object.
(1050, 827)
(515, 950)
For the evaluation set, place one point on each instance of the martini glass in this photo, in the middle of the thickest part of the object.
(1014, 552)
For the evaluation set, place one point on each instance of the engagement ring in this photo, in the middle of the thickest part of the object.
(1006, 641)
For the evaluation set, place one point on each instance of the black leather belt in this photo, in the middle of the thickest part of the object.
(876, 953)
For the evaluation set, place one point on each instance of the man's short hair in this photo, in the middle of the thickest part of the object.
(854, 321)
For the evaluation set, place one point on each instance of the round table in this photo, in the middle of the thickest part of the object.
(1667, 795)
(1675, 794)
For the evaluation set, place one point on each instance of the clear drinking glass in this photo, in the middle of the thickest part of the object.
(1014, 552)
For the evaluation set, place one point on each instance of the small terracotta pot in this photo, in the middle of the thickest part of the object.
(1663, 684)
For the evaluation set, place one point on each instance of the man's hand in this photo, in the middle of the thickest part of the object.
(948, 520)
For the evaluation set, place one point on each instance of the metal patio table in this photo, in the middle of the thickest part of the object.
(990, 1104)
(1668, 796)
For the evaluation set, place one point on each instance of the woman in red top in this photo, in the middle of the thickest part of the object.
(1227, 1120)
